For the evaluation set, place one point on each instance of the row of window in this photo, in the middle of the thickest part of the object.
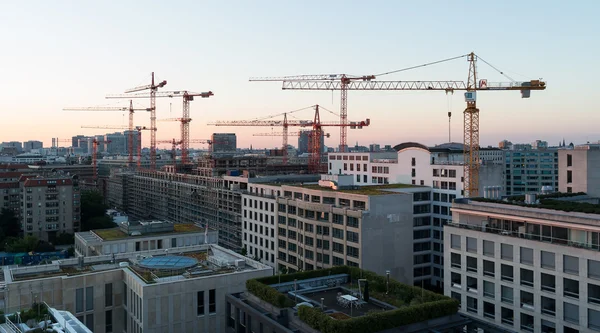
(352, 222)
(349, 157)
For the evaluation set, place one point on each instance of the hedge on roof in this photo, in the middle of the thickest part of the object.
(432, 305)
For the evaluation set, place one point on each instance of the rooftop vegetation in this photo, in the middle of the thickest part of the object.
(117, 233)
(363, 190)
(429, 306)
(110, 234)
(549, 201)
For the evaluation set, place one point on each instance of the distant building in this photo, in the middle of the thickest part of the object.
(305, 139)
(76, 140)
(527, 171)
(14, 145)
(539, 144)
(224, 143)
(374, 147)
(504, 144)
(28, 146)
(579, 169)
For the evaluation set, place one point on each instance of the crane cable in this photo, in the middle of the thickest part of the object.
(424, 65)
(499, 71)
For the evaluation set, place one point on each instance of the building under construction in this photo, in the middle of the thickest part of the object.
(210, 193)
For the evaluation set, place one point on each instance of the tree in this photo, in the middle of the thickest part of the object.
(93, 212)
(244, 251)
(27, 244)
(9, 223)
(64, 239)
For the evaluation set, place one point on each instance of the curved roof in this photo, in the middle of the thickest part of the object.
(405, 145)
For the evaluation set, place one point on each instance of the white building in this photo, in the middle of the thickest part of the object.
(522, 268)
(259, 205)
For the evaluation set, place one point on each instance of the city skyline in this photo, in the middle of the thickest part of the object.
(218, 47)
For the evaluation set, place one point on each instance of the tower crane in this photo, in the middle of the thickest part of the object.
(139, 129)
(316, 124)
(345, 83)
(285, 141)
(153, 87)
(175, 143)
(185, 118)
(130, 109)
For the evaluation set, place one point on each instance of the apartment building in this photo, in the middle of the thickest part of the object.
(440, 168)
(259, 207)
(525, 268)
(50, 205)
(578, 169)
(319, 227)
(153, 291)
(527, 170)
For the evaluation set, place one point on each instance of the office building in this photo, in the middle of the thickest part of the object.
(224, 143)
(16, 146)
(374, 147)
(527, 170)
(525, 268)
(578, 169)
(28, 146)
(505, 144)
(539, 144)
(305, 141)
(156, 289)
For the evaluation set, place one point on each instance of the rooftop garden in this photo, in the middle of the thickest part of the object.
(117, 233)
(363, 190)
(413, 304)
(549, 201)
(110, 234)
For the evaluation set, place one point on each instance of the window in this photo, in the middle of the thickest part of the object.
(571, 265)
(124, 294)
(79, 300)
(339, 248)
(489, 289)
(571, 313)
(489, 310)
(472, 244)
(89, 298)
(456, 280)
(471, 264)
(547, 260)
(593, 269)
(108, 321)
(593, 294)
(526, 277)
(352, 221)
(508, 316)
(472, 284)
(489, 268)
(527, 256)
(212, 299)
(506, 272)
(507, 252)
(455, 241)
(548, 282)
(200, 307)
(338, 261)
(352, 251)
(571, 288)
(455, 260)
(89, 321)
(548, 306)
(108, 294)
(488, 248)
(569, 160)
(352, 236)
(593, 319)
(526, 322)
(507, 294)
(338, 233)
(527, 300)
(569, 176)
(471, 304)
(337, 219)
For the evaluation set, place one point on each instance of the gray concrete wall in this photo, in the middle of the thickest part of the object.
(584, 169)
(387, 236)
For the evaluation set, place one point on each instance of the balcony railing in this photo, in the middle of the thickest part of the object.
(518, 234)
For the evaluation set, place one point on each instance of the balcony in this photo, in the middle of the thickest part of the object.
(523, 235)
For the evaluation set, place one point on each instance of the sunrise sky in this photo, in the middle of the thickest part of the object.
(72, 53)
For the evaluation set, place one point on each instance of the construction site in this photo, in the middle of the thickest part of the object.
(196, 189)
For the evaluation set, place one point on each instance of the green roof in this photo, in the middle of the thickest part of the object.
(364, 190)
(117, 233)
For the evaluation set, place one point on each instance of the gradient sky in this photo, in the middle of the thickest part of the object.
(72, 53)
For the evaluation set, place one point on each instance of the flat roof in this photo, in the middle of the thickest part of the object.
(117, 233)
(559, 202)
(363, 190)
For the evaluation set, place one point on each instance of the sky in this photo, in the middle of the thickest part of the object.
(56, 54)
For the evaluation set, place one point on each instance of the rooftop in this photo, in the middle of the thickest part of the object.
(153, 266)
(564, 202)
(363, 190)
(118, 233)
(350, 299)
(56, 320)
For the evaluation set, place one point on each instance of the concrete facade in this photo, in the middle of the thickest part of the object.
(579, 170)
(524, 269)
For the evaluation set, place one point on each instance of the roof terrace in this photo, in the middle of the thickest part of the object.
(348, 299)
(120, 232)
(382, 189)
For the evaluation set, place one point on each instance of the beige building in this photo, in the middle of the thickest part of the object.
(578, 169)
(50, 205)
(131, 292)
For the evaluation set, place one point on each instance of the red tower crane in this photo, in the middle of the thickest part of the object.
(131, 128)
(139, 129)
(185, 118)
(345, 83)
(285, 140)
(153, 87)
(316, 124)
